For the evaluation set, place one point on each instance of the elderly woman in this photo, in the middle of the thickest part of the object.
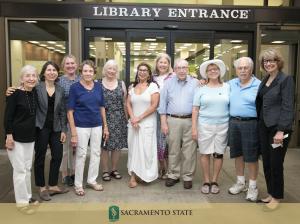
(19, 122)
(210, 118)
(115, 95)
(275, 109)
(86, 115)
(51, 129)
(162, 72)
(142, 103)
(69, 66)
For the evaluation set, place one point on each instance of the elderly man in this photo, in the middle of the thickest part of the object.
(176, 103)
(243, 137)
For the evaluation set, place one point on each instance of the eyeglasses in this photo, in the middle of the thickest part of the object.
(212, 70)
(182, 68)
(143, 70)
(271, 61)
(246, 68)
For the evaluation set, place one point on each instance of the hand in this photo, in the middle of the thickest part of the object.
(63, 137)
(278, 138)
(202, 82)
(74, 141)
(195, 134)
(9, 143)
(165, 129)
(10, 90)
(135, 121)
(105, 133)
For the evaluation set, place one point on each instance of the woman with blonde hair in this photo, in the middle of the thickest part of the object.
(115, 93)
(162, 72)
(275, 110)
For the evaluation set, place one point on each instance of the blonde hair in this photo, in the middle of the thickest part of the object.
(160, 56)
(271, 53)
(112, 63)
(65, 58)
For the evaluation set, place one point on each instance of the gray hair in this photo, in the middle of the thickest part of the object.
(28, 69)
(112, 63)
(179, 61)
(237, 62)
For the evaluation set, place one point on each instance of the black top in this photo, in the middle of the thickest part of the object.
(19, 118)
(260, 97)
(50, 112)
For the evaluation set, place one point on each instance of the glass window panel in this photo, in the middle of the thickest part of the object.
(279, 3)
(145, 49)
(34, 42)
(229, 50)
(108, 46)
(195, 53)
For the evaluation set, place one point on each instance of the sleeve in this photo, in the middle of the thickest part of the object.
(162, 109)
(10, 113)
(102, 103)
(63, 112)
(153, 88)
(72, 98)
(286, 118)
(197, 97)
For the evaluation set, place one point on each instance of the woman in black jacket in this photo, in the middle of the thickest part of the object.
(275, 109)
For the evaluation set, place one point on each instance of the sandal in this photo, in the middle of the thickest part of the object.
(79, 191)
(115, 174)
(214, 188)
(106, 176)
(205, 188)
(27, 210)
(96, 186)
(62, 190)
(33, 202)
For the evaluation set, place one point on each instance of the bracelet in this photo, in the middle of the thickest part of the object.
(73, 135)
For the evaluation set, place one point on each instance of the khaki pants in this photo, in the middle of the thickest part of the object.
(182, 149)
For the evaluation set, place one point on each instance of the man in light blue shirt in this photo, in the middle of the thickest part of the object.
(176, 104)
(243, 137)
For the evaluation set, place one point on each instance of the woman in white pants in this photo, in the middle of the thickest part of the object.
(87, 119)
(20, 136)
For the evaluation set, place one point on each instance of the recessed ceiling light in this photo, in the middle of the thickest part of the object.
(278, 42)
(31, 21)
(236, 41)
(187, 45)
(237, 47)
(106, 38)
(150, 39)
(51, 42)
(243, 51)
(34, 42)
(43, 45)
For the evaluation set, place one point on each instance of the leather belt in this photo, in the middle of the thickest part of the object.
(180, 116)
(243, 118)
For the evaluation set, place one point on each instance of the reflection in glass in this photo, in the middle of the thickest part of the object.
(34, 42)
(228, 51)
(194, 53)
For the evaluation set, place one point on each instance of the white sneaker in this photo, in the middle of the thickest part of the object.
(237, 188)
(252, 194)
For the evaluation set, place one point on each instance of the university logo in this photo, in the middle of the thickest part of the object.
(113, 213)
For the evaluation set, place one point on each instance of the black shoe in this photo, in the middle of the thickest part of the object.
(171, 182)
(261, 201)
(187, 184)
(71, 180)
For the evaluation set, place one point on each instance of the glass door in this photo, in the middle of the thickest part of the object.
(102, 45)
(144, 46)
(193, 46)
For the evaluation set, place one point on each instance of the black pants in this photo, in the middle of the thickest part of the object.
(44, 137)
(273, 159)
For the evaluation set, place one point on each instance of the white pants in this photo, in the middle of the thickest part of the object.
(68, 159)
(21, 160)
(84, 135)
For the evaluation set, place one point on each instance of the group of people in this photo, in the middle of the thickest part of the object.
(162, 119)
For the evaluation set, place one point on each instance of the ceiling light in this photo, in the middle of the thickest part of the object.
(278, 42)
(154, 44)
(150, 39)
(105, 38)
(43, 45)
(237, 47)
(31, 21)
(34, 42)
(219, 45)
(236, 41)
(51, 42)
(187, 45)
(137, 43)
(263, 35)
(243, 51)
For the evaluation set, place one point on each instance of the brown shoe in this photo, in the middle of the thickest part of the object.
(187, 184)
(171, 182)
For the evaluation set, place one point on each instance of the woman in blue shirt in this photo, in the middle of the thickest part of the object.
(87, 119)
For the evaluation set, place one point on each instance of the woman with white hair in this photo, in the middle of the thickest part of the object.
(19, 122)
(115, 94)
(210, 118)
